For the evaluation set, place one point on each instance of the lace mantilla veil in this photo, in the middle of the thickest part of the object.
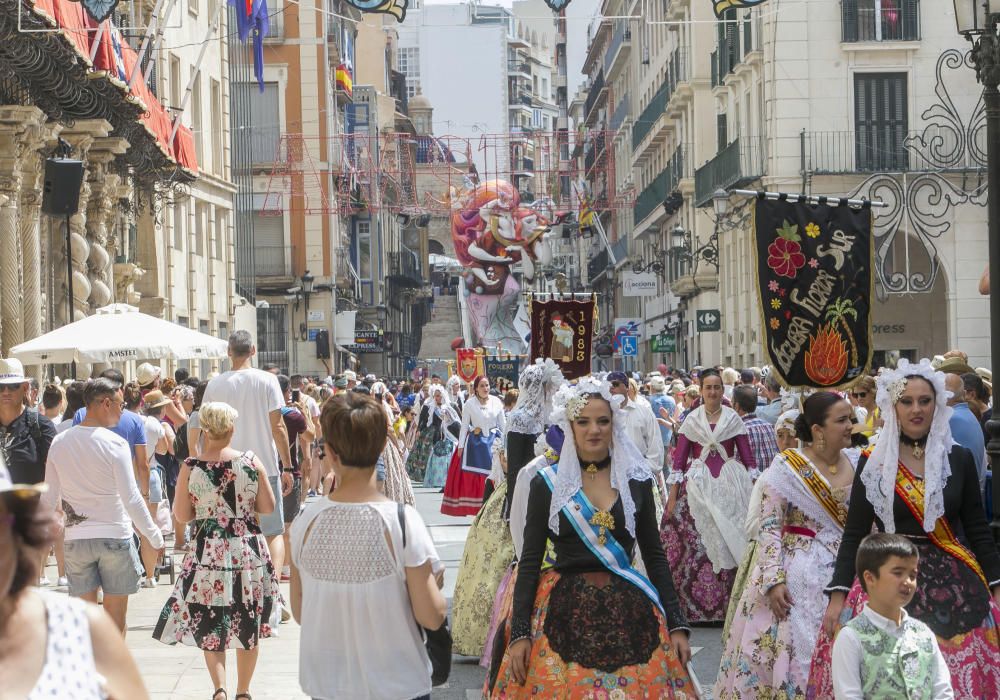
(536, 385)
(627, 462)
(879, 476)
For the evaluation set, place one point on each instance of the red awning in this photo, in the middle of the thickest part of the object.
(115, 61)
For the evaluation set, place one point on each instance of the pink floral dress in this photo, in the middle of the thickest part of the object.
(227, 588)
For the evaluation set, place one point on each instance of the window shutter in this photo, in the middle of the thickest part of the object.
(721, 131)
(911, 20)
(881, 121)
(849, 10)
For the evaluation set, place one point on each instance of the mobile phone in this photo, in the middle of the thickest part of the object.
(295, 395)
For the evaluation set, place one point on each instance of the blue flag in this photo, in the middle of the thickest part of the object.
(261, 28)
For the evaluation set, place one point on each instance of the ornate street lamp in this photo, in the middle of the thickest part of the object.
(977, 21)
(307, 281)
(655, 265)
(682, 247)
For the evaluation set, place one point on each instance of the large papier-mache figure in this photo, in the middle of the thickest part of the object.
(492, 231)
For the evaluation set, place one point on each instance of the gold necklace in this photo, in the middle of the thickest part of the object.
(595, 467)
(834, 468)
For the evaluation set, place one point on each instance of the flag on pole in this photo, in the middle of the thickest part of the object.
(261, 28)
(344, 81)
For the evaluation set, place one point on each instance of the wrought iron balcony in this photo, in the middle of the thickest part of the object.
(676, 73)
(888, 149)
(621, 45)
(656, 193)
(518, 67)
(620, 114)
(866, 20)
(403, 267)
(597, 264)
(594, 151)
(594, 94)
(736, 165)
(520, 98)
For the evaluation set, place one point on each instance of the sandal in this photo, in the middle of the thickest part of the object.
(220, 690)
(243, 695)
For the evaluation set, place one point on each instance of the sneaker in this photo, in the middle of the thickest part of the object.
(44, 581)
(147, 583)
(63, 581)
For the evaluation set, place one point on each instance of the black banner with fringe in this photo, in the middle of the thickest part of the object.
(815, 288)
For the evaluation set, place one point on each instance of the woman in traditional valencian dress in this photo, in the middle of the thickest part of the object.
(445, 415)
(592, 625)
(428, 430)
(397, 483)
(802, 513)
(703, 529)
(483, 422)
(918, 483)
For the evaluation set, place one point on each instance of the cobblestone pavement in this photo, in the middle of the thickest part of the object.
(179, 673)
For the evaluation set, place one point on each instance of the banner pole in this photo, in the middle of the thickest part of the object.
(810, 198)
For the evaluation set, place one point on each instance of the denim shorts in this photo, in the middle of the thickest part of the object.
(273, 524)
(113, 565)
(156, 485)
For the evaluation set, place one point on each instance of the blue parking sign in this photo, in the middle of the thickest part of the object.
(630, 346)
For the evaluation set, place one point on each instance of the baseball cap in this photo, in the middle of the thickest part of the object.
(618, 377)
(340, 383)
(146, 374)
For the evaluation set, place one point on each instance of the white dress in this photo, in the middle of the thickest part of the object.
(359, 638)
(486, 419)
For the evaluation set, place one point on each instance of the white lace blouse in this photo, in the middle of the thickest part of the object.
(359, 638)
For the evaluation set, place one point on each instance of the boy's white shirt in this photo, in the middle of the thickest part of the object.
(847, 656)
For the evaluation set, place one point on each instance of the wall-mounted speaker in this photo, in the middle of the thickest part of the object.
(61, 189)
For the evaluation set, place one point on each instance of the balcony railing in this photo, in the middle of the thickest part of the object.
(594, 151)
(676, 73)
(523, 165)
(518, 67)
(269, 261)
(521, 98)
(621, 39)
(889, 149)
(404, 268)
(739, 37)
(620, 114)
(866, 20)
(597, 264)
(620, 249)
(736, 165)
(654, 195)
(595, 92)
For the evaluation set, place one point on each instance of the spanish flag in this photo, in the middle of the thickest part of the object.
(344, 80)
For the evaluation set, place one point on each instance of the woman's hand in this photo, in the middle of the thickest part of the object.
(681, 645)
(832, 614)
(520, 652)
(779, 600)
(668, 510)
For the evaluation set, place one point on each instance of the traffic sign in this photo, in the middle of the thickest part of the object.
(630, 346)
(708, 320)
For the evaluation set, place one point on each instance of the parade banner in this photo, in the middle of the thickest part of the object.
(815, 285)
(563, 330)
(469, 363)
(503, 372)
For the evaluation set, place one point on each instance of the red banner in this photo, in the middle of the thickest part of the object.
(564, 331)
(469, 364)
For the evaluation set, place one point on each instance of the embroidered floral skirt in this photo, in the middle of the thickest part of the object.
(957, 606)
(416, 461)
(503, 602)
(463, 490)
(704, 594)
(225, 593)
(397, 482)
(595, 636)
(487, 556)
(438, 463)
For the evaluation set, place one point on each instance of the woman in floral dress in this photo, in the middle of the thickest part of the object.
(802, 513)
(428, 432)
(227, 587)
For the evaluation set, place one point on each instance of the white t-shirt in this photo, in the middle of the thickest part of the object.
(360, 639)
(254, 393)
(154, 431)
(311, 405)
(89, 472)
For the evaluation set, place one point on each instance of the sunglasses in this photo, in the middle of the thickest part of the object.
(616, 384)
(9, 387)
(860, 394)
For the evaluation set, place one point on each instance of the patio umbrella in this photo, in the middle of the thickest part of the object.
(119, 333)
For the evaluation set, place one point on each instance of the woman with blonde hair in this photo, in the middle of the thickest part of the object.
(227, 587)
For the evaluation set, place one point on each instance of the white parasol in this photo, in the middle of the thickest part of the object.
(119, 333)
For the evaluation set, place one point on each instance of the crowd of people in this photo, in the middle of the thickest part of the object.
(838, 540)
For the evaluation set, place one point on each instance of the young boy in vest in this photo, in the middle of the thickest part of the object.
(883, 653)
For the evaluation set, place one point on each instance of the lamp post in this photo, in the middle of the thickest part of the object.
(307, 281)
(383, 316)
(977, 21)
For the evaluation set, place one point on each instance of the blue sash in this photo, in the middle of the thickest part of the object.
(611, 554)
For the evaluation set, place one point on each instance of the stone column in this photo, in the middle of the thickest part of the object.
(15, 145)
(81, 137)
(33, 297)
(101, 218)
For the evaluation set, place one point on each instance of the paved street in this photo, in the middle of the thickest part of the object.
(178, 672)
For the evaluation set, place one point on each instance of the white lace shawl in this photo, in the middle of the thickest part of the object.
(432, 405)
(627, 462)
(879, 475)
(536, 385)
(696, 428)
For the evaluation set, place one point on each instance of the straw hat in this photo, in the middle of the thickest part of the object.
(155, 399)
(146, 374)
